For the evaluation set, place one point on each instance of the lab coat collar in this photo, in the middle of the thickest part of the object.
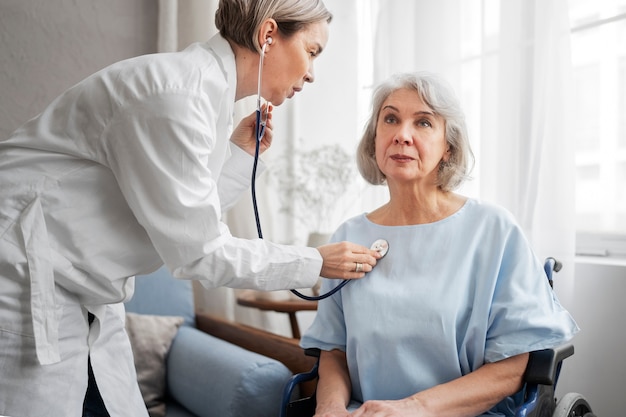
(226, 58)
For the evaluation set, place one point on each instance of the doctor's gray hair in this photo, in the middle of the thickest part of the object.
(240, 20)
(440, 97)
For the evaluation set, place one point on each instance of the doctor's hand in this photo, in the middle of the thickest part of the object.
(345, 260)
(244, 134)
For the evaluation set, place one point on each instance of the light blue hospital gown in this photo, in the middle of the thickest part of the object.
(448, 297)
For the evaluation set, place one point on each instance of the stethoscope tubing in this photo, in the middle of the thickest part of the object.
(259, 130)
(323, 296)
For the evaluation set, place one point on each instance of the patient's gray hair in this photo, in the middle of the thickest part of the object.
(440, 97)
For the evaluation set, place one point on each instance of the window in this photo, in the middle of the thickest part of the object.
(471, 54)
(598, 31)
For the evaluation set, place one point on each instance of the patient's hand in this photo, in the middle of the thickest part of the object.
(333, 413)
(407, 407)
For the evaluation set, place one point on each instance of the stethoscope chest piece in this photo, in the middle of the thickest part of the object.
(381, 246)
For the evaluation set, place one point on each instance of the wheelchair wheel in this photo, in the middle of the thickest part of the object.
(573, 405)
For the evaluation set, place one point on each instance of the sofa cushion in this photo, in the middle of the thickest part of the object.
(159, 293)
(214, 378)
(174, 409)
(150, 338)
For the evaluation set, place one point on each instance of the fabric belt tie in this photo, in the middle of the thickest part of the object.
(42, 298)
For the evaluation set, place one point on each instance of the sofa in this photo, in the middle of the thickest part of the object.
(209, 367)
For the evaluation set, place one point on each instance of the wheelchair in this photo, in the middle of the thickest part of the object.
(540, 379)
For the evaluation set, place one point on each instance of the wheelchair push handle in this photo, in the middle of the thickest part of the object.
(551, 265)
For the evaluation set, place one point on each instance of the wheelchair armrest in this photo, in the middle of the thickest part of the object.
(543, 365)
(304, 376)
(313, 352)
(305, 405)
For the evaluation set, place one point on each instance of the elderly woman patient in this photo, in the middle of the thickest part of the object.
(444, 323)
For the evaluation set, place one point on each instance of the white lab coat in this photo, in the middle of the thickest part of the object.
(128, 169)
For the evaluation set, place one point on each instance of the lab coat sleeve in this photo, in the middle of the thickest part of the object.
(159, 150)
(236, 176)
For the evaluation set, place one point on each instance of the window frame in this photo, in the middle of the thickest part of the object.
(601, 244)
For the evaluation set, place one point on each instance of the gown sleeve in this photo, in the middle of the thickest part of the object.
(525, 313)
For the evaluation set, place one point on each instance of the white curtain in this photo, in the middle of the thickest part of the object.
(184, 22)
(509, 62)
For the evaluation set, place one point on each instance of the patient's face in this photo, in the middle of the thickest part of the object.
(410, 139)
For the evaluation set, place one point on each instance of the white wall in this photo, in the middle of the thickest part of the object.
(598, 368)
(47, 46)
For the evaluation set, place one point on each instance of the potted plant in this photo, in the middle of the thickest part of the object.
(310, 183)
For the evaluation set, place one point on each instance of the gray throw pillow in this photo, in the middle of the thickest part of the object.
(150, 338)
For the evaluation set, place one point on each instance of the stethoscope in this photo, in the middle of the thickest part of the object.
(380, 245)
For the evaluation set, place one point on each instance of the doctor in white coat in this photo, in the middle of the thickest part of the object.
(127, 170)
